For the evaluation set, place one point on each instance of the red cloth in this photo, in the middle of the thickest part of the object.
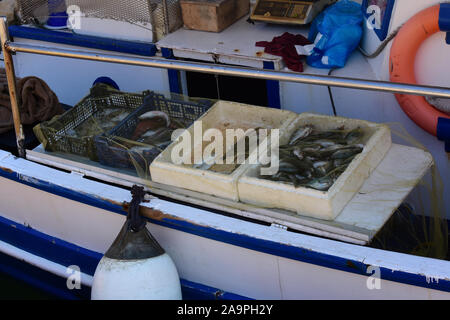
(284, 46)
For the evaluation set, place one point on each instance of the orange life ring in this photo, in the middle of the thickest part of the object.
(403, 53)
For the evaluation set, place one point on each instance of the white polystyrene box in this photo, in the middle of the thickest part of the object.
(223, 115)
(311, 202)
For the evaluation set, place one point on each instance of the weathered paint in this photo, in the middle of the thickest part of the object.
(294, 247)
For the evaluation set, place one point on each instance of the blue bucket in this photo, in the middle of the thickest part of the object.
(57, 14)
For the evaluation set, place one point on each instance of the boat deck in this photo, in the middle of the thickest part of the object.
(360, 220)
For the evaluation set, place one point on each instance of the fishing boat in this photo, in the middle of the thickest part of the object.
(59, 214)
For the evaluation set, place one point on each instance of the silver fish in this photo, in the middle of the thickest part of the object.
(346, 153)
(298, 153)
(300, 134)
(354, 136)
(322, 167)
(287, 167)
(300, 177)
(155, 114)
(325, 143)
(321, 185)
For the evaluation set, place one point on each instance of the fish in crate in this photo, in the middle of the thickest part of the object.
(145, 133)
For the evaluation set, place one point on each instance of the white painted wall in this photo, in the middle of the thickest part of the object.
(71, 79)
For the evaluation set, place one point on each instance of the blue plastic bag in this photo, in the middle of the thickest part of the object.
(336, 32)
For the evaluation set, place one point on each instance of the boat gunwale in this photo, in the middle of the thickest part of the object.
(309, 249)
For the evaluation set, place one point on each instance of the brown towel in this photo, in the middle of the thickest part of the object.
(37, 102)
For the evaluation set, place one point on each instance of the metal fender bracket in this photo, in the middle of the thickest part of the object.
(278, 226)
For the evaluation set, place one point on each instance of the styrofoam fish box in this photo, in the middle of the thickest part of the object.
(310, 202)
(223, 115)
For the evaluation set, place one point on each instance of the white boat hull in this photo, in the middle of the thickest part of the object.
(240, 257)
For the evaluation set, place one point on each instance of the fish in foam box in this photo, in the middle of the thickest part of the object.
(324, 204)
(217, 179)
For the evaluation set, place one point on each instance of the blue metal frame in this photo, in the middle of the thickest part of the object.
(381, 33)
(174, 75)
(73, 39)
(444, 20)
(273, 88)
(241, 240)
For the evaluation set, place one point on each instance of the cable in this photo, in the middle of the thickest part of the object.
(375, 54)
(331, 95)
(382, 46)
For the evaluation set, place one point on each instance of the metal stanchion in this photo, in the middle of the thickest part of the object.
(11, 77)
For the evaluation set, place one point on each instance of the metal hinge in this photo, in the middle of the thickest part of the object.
(278, 226)
(77, 173)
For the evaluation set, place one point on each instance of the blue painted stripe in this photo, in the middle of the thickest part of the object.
(195, 291)
(63, 192)
(444, 17)
(443, 132)
(55, 286)
(273, 88)
(241, 240)
(40, 279)
(174, 75)
(73, 39)
(51, 248)
(300, 254)
(66, 254)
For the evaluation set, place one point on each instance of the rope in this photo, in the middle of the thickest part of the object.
(136, 221)
(382, 46)
(439, 103)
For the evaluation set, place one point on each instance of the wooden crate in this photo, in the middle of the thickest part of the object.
(213, 15)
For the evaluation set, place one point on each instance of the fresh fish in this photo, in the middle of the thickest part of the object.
(320, 184)
(342, 162)
(287, 167)
(311, 150)
(155, 114)
(298, 153)
(325, 143)
(354, 135)
(346, 153)
(159, 136)
(322, 167)
(308, 174)
(315, 159)
(300, 134)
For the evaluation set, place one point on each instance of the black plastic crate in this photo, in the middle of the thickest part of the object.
(57, 133)
(108, 145)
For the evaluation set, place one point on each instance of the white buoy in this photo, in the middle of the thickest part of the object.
(136, 267)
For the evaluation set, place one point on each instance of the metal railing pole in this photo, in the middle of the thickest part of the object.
(351, 83)
(11, 77)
